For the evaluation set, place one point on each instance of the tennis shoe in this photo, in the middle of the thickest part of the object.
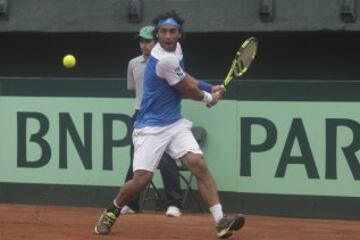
(228, 224)
(173, 211)
(127, 210)
(106, 221)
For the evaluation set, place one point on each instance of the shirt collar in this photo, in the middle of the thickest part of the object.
(158, 52)
(143, 59)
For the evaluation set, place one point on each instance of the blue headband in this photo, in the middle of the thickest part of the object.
(168, 21)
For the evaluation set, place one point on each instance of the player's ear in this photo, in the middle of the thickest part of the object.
(181, 34)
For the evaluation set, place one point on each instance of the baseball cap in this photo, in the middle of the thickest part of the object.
(146, 32)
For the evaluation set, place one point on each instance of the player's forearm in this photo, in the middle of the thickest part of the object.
(189, 88)
(202, 85)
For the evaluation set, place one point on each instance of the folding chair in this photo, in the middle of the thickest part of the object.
(152, 193)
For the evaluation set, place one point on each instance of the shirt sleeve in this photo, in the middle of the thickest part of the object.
(130, 77)
(169, 69)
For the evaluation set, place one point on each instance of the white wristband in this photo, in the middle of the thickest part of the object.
(207, 98)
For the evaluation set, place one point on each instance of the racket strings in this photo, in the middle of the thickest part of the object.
(239, 66)
(245, 58)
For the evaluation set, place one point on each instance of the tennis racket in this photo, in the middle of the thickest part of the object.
(242, 60)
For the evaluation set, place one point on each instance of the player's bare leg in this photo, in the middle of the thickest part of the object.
(207, 188)
(131, 188)
(127, 193)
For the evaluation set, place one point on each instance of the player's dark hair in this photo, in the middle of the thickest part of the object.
(170, 14)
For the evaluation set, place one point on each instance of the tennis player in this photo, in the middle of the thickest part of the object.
(160, 127)
(167, 166)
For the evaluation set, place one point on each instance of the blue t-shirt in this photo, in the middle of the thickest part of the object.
(160, 105)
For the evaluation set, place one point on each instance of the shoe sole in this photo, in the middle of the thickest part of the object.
(173, 215)
(234, 226)
(100, 233)
(96, 232)
(239, 223)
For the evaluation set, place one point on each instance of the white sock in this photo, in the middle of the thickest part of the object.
(216, 212)
(115, 204)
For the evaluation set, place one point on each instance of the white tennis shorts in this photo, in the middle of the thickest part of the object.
(151, 142)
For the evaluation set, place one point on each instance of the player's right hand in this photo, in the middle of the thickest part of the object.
(219, 89)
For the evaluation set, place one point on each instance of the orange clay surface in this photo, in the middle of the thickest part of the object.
(20, 222)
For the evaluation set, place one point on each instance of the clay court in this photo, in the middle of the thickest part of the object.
(19, 222)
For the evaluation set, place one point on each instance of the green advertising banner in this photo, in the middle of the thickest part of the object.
(85, 141)
(34, 129)
(309, 148)
(287, 147)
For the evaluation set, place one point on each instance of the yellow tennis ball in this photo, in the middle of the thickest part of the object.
(69, 61)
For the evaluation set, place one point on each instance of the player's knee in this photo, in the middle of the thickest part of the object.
(142, 178)
(198, 166)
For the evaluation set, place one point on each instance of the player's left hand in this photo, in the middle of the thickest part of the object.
(216, 98)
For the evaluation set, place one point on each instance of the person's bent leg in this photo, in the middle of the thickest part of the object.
(133, 187)
(208, 191)
(133, 206)
(126, 194)
(206, 184)
(149, 148)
